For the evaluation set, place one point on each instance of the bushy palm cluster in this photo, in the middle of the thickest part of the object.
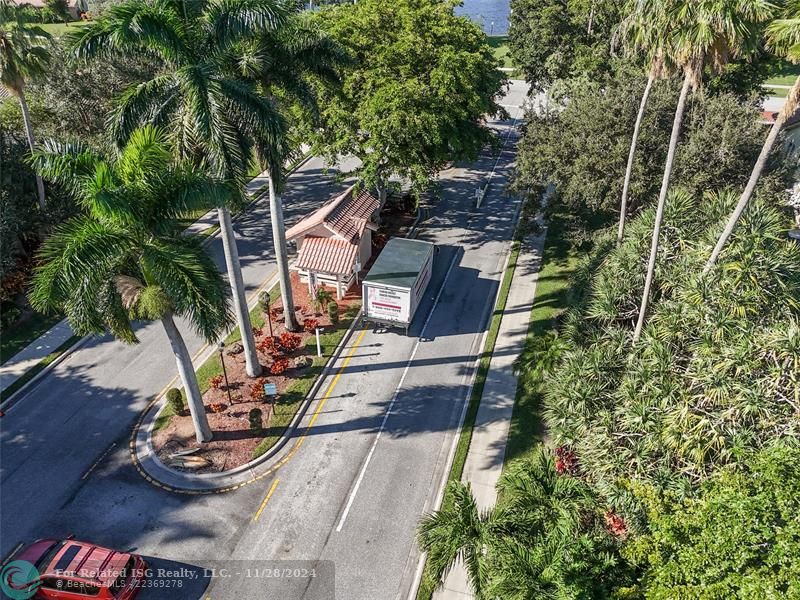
(126, 257)
(545, 539)
(717, 370)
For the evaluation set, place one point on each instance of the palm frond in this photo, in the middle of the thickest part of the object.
(188, 276)
(231, 21)
(132, 26)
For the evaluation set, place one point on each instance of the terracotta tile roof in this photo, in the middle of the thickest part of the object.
(349, 218)
(345, 216)
(327, 255)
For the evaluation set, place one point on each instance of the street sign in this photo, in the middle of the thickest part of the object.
(270, 389)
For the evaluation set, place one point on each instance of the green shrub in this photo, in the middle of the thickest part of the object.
(175, 400)
(333, 312)
(739, 537)
(254, 416)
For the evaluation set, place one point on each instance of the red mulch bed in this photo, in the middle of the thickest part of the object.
(234, 442)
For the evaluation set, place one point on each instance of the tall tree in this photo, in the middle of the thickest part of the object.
(418, 94)
(213, 115)
(126, 258)
(643, 35)
(783, 38)
(707, 33)
(557, 39)
(288, 64)
(23, 56)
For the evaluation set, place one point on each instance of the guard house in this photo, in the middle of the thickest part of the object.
(335, 241)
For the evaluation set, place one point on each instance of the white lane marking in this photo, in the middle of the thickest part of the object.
(354, 491)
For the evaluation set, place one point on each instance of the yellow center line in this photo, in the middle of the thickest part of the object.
(313, 419)
(330, 389)
(266, 499)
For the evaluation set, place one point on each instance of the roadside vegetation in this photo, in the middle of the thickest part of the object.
(653, 447)
(101, 130)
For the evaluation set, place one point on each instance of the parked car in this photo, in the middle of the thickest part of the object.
(73, 570)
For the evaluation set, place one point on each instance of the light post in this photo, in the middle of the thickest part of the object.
(491, 29)
(221, 348)
(264, 298)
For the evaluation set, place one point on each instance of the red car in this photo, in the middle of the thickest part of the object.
(73, 570)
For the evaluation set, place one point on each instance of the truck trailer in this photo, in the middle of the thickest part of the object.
(394, 286)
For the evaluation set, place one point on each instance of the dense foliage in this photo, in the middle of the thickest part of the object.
(738, 539)
(71, 102)
(546, 538)
(423, 81)
(556, 39)
(580, 144)
(716, 371)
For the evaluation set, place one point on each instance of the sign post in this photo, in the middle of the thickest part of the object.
(271, 392)
(319, 346)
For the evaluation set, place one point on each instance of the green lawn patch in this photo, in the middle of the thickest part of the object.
(783, 72)
(59, 29)
(15, 339)
(428, 585)
(776, 92)
(499, 46)
(39, 367)
(560, 259)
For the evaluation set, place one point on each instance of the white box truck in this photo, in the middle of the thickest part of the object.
(394, 286)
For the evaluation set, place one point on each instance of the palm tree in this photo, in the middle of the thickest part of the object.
(213, 115)
(126, 258)
(643, 36)
(459, 531)
(706, 33)
(530, 545)
(286, 63)
(783, 38)
(23, 56)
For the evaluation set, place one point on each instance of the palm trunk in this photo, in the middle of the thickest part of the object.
(26, 118)
(252, 365)
(186, 371)
(279, 239)
(783, 116)
(623, 210)
(662, 198)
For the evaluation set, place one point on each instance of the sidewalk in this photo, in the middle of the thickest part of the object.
(484, 463)
(53, 338)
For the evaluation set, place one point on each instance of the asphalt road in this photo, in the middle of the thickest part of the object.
(340, 514)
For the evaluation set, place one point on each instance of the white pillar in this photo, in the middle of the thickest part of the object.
(338, 287)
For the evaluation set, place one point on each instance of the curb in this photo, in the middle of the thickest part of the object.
(143, 455)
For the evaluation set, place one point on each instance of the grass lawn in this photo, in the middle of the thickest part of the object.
(427, 585)
(59, 29)
(776, 92)
(560, 261)
(39, 367)
(499, 46)
(15, 339)
(783, 73)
